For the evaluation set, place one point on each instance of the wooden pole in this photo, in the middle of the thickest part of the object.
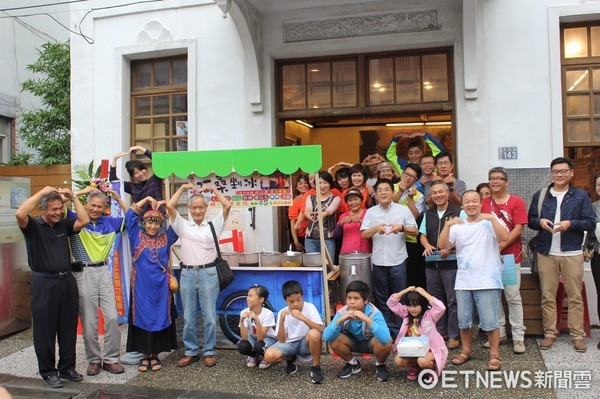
(325, 256)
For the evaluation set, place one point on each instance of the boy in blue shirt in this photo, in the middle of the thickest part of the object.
(359, 327)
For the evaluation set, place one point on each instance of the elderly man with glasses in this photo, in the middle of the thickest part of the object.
(566, 213)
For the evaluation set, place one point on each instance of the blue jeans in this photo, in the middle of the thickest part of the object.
(388, 280)
(202, 285)
(314, 245)
(486, 302)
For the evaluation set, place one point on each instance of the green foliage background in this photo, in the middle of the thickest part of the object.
(47, 129)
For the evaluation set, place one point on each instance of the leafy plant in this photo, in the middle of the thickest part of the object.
(85, 175)
(46, 129)
(20, 159)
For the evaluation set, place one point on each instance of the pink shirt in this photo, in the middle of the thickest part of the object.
(352, 239)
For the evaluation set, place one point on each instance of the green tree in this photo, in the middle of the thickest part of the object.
(47, 129)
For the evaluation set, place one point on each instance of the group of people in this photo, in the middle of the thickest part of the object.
(68, 254)
(423, 228)
(437, 251)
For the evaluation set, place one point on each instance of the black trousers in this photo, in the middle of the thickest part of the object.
(54, 310)
(415, 267)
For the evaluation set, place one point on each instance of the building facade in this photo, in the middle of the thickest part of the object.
(487, 76)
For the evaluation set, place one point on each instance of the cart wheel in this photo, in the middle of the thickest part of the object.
(229, 314)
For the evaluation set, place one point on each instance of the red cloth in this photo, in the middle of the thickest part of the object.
(512, 213)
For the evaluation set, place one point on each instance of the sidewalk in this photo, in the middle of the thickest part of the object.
(232, 379)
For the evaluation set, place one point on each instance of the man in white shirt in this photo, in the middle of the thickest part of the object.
(479, 275)
(387, 224)
(199, 279)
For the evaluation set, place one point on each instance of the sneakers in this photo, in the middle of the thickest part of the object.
(547, 343)
(264, 364)
(579, 345)
(503, 340)
(291, 367)
(252, 362)
(382, 372)
(349, 369)
(316, 375)
(518, 347)
(413, 373)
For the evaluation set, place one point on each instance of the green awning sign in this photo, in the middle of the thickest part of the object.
(243, 161)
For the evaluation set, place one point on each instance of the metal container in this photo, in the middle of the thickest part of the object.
(291, 259)
(270, 259)
(312, 259)
(249, 259)
(233, 258)
(355, 266)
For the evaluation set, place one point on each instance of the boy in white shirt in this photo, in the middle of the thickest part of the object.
(299, 329)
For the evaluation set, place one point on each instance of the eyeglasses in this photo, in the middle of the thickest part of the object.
(408, 175)
(446, 163)
(383, 190)
(497, 178)
(562, 172)
(385, 170)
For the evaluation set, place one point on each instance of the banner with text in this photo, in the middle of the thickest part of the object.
(248, 191)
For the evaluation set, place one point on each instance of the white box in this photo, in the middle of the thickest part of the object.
(413, 346)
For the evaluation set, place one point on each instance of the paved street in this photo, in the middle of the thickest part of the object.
(232, 379)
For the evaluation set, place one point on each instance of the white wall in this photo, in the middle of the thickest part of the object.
(220, 116)
(21, 37)
(517, 59)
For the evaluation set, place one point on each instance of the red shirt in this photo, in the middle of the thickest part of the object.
(512, 213)
(293, 212)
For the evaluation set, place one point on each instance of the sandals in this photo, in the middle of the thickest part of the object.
(144, 365)
(462, 357)
(495, 363)
(155, 364)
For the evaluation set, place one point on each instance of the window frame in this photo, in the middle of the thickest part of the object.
(568, 64)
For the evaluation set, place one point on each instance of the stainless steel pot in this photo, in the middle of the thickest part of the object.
(355, 266)
(312, 259)
(291, 259)
(233, 258)
(270, 259)
(249, 259)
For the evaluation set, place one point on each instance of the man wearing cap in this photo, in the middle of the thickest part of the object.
(53, 288)
(91, 248)
(199, 280)
(387, 224)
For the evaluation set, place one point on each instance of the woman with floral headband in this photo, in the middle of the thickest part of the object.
(152, 312)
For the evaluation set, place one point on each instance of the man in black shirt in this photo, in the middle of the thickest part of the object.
(54, 296)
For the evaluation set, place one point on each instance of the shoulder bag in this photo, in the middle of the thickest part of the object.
(533, 242)
(226, 276)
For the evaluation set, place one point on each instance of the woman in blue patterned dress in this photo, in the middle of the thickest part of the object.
(152, 312)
